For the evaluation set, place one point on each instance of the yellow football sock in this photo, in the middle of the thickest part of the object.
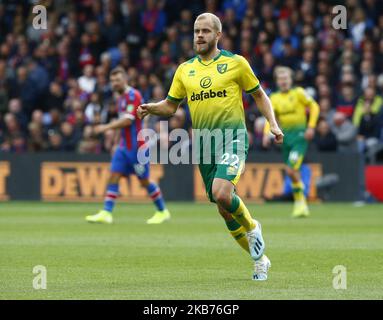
(298, 191)
(241, 213)
(238, 233)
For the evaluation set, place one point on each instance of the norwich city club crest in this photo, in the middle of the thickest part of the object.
(222, 67)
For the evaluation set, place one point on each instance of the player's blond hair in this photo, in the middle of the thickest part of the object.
(213, 18)
(283, 69)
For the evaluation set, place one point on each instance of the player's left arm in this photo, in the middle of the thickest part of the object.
(313, 113)
(250, 83)
(264, 105)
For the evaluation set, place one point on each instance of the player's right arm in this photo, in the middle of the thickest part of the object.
(266, 140)
(164, 108)
(168, 106)
(116, 124)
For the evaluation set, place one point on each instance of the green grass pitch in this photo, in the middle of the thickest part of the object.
(190, 257)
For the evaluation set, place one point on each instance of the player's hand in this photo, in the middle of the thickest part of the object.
(101, 128)
(143, 110)
(278, 134)
(309, 134)
(113, 149)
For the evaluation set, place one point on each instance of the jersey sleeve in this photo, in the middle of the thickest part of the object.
(177, 90)
(308, 101)
(246, 78)
(303, 96)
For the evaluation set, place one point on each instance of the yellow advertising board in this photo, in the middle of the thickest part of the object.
(4, 173)
(87, 181)
(259, 180)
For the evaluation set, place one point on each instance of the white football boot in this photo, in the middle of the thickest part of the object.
(257, 247)
(261, 266)
(256, 243)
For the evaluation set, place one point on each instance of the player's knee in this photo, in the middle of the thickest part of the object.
(294, 175)
(221, 196)
(290, 172)
(144, 183)
(114, 177)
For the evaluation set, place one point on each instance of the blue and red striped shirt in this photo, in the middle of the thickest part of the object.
(128, 103)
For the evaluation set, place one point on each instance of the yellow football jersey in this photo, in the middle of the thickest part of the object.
(214, 90)
(290, 109)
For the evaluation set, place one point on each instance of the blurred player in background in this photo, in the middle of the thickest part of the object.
(290, 105)
(124, 161)
(213, 82)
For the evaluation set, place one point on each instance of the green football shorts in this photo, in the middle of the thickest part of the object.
(294, 148)
(228, 164)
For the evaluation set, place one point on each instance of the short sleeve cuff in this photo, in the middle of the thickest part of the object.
(253, 89)
(178, 100)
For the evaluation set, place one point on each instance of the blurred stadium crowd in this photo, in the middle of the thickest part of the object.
(54, 82)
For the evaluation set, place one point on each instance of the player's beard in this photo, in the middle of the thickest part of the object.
(286, 87)
(209, 48)
(119, 89)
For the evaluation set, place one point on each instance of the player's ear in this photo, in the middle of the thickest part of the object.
(219, 35)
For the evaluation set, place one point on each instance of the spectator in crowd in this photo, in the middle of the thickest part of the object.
(326, 112)
(366, 71)
(94, 109)
(266, 70)
(54, 141)
(111, 30)
(24, 88)
(52, 120)
(18, 143)
(36, 140)
(358, 26)
(87, 81)
(306, 68)
(284, 37)
(15, 108)
(178, 120)
(151, 120)
(87, 52)
(346, 101)
(14, 140)
(38, 117)
(89, 143)
(259, 124)
(37, 75)
(54, 98)
(375, 103)
(345, 132)
(153, 17)
(109, 142)
(57, 79)
(70, 136)
(4, 87)
(324, 139)
(370, 128)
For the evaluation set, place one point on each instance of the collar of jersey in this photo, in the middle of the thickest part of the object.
(210, 61)
(288, 91)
